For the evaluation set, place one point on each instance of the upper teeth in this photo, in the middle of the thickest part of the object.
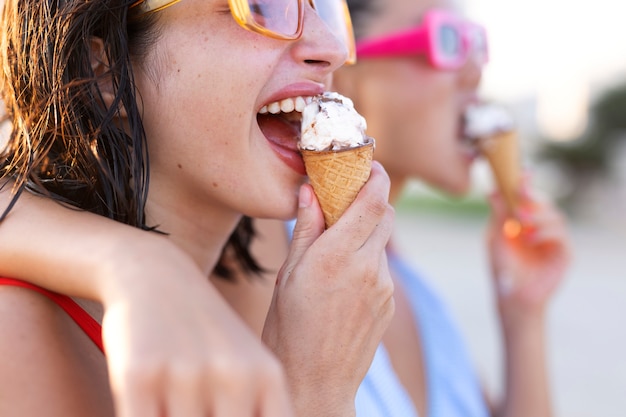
(286, 106)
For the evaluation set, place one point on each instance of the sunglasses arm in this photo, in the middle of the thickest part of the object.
(410, 42)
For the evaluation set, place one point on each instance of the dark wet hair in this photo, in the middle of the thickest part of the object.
(65, 143)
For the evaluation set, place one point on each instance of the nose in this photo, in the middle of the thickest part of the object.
(319, 46)
(471, 73)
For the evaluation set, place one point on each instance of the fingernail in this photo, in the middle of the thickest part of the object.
(305, 197)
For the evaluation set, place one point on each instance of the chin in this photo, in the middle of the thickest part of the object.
(287, 213)
(280, 209)
(456, 187)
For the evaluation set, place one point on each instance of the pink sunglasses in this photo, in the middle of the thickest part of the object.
(445, 38)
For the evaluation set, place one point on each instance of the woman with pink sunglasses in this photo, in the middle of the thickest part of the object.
(419, 68)
(146, 112)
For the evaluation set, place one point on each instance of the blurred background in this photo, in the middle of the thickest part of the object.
(560, 68)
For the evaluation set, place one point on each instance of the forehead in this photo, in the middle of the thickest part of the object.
(399, 14)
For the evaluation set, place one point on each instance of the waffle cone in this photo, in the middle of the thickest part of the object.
(502, 154)
(337, 177)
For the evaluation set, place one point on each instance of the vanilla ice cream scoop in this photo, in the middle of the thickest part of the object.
(486, 120)
(330, 123)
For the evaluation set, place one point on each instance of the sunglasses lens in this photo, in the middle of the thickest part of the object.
(278, 16)
(450, 41)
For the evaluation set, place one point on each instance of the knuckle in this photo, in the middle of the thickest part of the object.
(377, 206)
(186, 372)
(230, 375)
(142, 373)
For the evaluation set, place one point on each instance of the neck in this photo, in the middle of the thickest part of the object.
(199, 231)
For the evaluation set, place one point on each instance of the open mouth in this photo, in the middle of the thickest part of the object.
(468, 143)
(280, 123)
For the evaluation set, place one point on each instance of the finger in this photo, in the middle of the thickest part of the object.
(495, 229)
(184, 395)
(381, 234)
(228, 404)
(275, 402)
(387, 281)
(366, 212)
(266, 395)
(309, 225)
(135, 388)
(134, 400)
(498, 207)
(543, 224)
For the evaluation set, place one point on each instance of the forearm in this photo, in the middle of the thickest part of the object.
(527, 391)
(71, 252)
(321, 401)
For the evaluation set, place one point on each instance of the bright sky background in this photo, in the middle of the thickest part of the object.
(559, 52)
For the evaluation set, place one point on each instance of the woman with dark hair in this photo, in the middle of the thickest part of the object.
(146, 112)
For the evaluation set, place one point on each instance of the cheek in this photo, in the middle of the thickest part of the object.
(422, 132)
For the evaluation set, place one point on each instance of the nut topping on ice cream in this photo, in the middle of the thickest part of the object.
(330, 122)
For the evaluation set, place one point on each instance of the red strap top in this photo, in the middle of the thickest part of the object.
(91, 327)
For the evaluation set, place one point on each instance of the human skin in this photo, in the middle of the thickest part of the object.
(204, 174)
(415, 113)
(413, 109)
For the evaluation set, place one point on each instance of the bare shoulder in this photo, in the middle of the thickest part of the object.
(48, 367)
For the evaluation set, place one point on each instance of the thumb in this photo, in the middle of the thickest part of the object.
(498, 207)
(495, 224)
(309, 224)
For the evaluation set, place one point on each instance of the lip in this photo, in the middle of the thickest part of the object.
(286, 149)
(293, 90)
(290, 157)
(467, 148)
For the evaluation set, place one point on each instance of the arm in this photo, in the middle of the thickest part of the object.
(527, 269)
(131, 273)
(333, 300)
(121, 263)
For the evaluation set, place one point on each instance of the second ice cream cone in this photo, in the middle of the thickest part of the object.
(337, 177)
(502, 154)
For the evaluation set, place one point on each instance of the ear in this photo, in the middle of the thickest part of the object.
(100, 66)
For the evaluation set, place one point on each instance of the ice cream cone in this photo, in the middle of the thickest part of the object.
(502, 154)
(337, 177)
